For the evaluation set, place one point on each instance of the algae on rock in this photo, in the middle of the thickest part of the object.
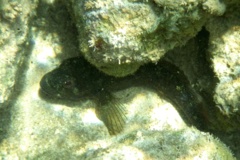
(115, 33)
(224, 51)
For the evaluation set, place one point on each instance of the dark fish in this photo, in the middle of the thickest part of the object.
(75, 79)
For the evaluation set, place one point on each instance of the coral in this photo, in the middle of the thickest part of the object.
(116, 33)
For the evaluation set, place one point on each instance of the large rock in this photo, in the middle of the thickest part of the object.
(224, 49)
(119, 36)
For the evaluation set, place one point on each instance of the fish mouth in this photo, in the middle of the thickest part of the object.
(46, 89)
(48, 94)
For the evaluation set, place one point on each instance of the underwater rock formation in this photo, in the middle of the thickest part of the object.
(145, 144)
(34, 128)
(224, 50)
(118, 36)
(13, 32)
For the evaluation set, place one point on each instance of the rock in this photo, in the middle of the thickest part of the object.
(224, 49)
(195, 60)
(14, 20)
(163, 145)
(33, 128)
(119, 36)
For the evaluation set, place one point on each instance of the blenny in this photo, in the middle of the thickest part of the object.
(76, 79)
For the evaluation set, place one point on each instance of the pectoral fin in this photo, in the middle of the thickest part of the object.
(113, 115)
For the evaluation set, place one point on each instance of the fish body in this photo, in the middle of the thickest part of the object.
(76, 79)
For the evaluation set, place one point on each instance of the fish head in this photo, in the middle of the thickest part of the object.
(65, 82)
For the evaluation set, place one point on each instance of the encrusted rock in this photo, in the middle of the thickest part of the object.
(118, 36)
(224, 49)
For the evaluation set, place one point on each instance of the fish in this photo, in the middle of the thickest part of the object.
(76, 79)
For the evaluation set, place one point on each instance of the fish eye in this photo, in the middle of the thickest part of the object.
(68, 83)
